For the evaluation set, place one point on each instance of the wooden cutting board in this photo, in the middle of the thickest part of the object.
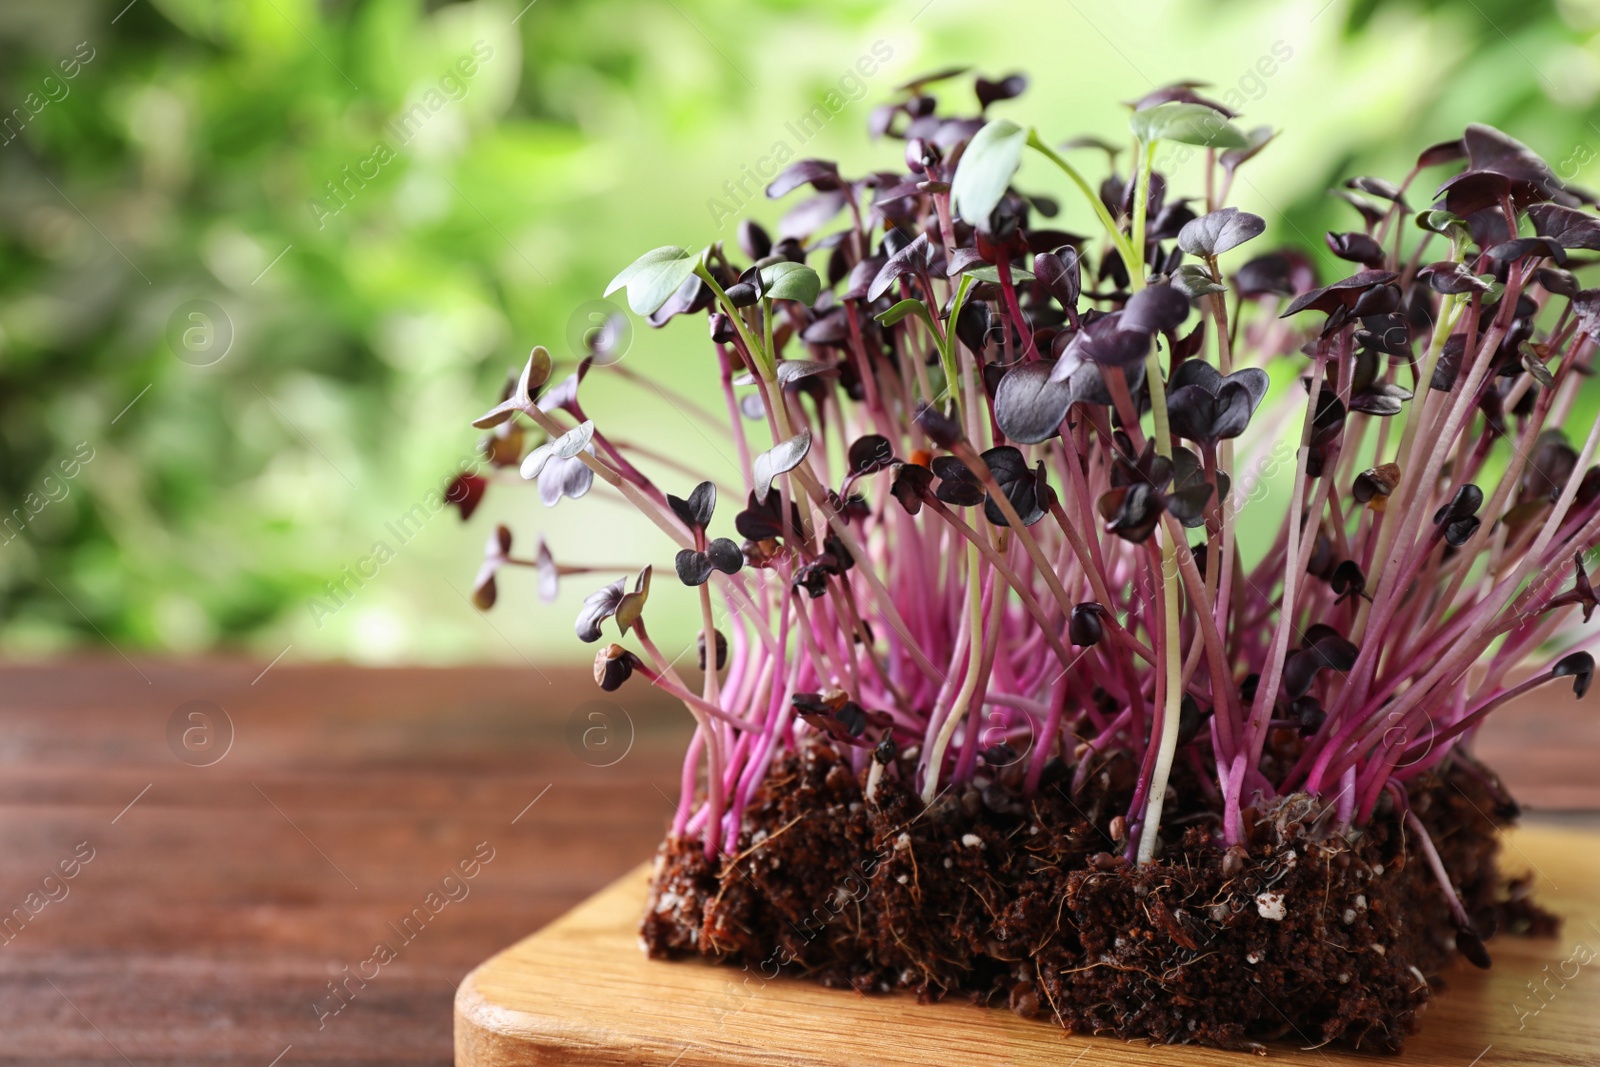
(581, 992)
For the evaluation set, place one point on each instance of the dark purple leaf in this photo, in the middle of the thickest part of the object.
(1083, 626)
(1155, 309)
(912, 260)
(1017, 482)
(1006, 88)
(820, 174)
(598, 607)
(1344, 293)
(1579, 666)
(1028, 405)
(1220, 231)
(695, 512)
(870, 454)
(693, 567)
(1567, 227)
(1356, 247)
(1452, 278)
(910, 485)
(724, 555)
(1058, 272)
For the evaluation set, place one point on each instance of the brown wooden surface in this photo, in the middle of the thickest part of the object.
(214, 913)
(579, 993)
(209, 921)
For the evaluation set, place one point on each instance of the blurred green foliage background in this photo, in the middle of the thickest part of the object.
(261, 261)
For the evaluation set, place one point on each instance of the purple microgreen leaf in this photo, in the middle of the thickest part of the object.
(1452, 278)
(466, 492)
(1188, 505)
(1382, 188)
(1357, 247)
(695, 512)
(1008, 88)
(564, 396)
(1566, 226)
(1017, 481)
(941, 429)
(1183, 91)
(1103, 341)
(811, 214)
(817, 173)
(779, 459)
(1156, 308)
(1220, 231)
(870, 453)
(535, 372)
(598, 607)
(694, 567)
(1060, 274)
(1380, 401)
(754, 241)
(1131, 511)
(1028, 406)
(796, 370)
(957, 484)
(495, 552)
(1345, 293)
(907, 262)
(566, 446)
(910, 485)
(1579, 666)
(723, 553)
(565, 477)
(1084, 627)
(963, 260)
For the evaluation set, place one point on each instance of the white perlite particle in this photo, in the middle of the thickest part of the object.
(972, 840)
(1254, 957)
(902, 842)
(1270, 906)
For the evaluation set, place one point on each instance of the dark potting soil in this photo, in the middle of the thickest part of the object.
(1308, 935)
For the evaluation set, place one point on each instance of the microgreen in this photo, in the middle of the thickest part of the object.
(979, 455)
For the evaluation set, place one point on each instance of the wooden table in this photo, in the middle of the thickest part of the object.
(222, 899)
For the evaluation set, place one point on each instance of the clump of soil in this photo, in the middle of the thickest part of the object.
(1306, 934)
